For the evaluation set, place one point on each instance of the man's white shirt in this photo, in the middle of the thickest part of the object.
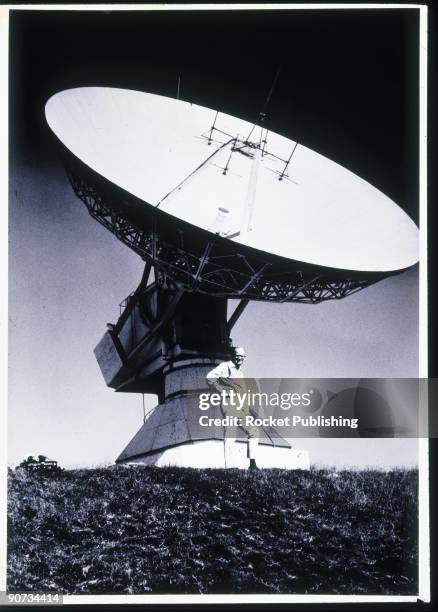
(226, 369)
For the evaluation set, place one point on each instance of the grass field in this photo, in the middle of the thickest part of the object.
(175, 530)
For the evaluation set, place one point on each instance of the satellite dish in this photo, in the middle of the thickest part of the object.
(220, 208)
(223, 206)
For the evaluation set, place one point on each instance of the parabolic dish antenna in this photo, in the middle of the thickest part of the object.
(220, 208)
(164, 152)
(198, 187)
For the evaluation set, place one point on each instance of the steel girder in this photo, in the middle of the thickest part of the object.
(206, 266)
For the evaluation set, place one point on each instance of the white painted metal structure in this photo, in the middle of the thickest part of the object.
(253, 188)
(164, 152)
(231, 454)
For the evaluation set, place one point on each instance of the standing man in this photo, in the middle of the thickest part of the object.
(223, 378)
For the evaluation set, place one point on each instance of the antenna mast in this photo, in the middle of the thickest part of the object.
(178, 87)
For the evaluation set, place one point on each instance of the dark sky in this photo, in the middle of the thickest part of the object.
(348, 89)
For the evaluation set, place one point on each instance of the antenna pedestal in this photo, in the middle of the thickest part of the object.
(165, 343)
(172, 434)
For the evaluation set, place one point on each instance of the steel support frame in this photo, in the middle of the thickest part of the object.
(234, 276)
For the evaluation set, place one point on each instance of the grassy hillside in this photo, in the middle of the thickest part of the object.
(174, 530)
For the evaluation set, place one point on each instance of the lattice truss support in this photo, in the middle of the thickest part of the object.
(211, 266)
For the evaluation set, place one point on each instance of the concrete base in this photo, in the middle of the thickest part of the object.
(229, 453)
(172, 434)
